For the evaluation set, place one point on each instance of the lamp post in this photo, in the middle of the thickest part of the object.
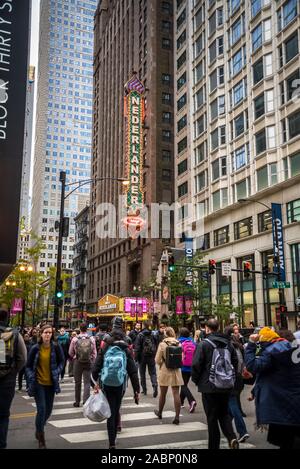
(136, 290)
(276, 245)
(63, 197)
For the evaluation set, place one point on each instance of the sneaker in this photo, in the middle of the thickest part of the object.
(234, 444)
(192, 407)
(76, 404)
(244, 438)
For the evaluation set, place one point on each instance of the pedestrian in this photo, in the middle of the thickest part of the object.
(21, 373)
(287, 334)
(13, 355)
(197, 336)
(71, 362)
(161, 332)
(215, 395)
(168, 376)
(43, 368)
(188, 349)
(145, 350)
(277, 386)
(101, 331)
(64, 341)
(115, 350)
(133, 335)
(297, 333)
(234, 399)
(83, 352)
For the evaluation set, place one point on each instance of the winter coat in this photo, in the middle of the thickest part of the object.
(203, 359)
(167, 376)
(277, 386)
(181, 340)
(131, 367)
(57, 361)
(139, 344)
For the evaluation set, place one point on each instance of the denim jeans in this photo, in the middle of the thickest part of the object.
(44, 397)
(235, 411)
(7, 392)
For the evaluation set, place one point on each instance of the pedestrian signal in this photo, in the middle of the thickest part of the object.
(211, 266)
(247, 267)
(171, 265)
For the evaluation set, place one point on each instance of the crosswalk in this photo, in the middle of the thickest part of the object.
(140, 427)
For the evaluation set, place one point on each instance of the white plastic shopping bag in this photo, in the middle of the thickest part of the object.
(96, 408)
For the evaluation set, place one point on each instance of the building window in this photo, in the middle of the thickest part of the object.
(246, 289)
(182, 167)
(182, 144)
(239, 92)
(261, 142)
(221, 236)
(220, 199)
(166, 98)
(264, 221)
(181, 102)
(166, 135)
(199, 98)
(200, 125)
(200, 153)
(181, 40)
(293, 211)
(181, 124)
(166, 43)
(295, 164)
(183, 189)
(166, 25)
(233, 5)
(166, 155)
(166, 79)
(239, 125)
(291, 47)
(181, 81)
(219, 168)
(294, 124)
(181, 19)
(181, 60)
(238, 61)
(240, 157)
(243, 228)
(166, 117)
(200, 181)
(286, 14)
(262, 178)
(198, 45)
(166, 175)
(237, 30)
(242, 189)
(199, 71)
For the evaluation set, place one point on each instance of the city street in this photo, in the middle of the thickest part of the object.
(68, 429)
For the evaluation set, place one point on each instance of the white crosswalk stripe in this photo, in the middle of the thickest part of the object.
(142, 424)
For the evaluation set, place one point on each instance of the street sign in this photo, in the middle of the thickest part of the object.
(281, 284)
(226, 269)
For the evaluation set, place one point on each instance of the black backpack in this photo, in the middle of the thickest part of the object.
(8, 349)
(148, 346)
(174, 356)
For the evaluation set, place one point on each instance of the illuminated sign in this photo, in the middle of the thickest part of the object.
(134, 113)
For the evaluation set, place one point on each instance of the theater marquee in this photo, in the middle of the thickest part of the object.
(134, 114)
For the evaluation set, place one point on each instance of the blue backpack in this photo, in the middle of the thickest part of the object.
(114, 371)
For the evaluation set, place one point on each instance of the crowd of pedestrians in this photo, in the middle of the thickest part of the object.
(219, 363)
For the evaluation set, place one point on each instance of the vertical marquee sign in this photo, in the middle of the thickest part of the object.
(134, 114)
(14, 29)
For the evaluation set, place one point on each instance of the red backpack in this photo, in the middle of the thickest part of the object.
(188, 349)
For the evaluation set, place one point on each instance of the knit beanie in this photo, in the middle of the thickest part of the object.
(117, 322)
(267, 335)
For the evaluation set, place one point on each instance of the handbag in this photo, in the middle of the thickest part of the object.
(96, 408)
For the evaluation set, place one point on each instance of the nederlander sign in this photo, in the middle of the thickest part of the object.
(14, 29)
(134, 113)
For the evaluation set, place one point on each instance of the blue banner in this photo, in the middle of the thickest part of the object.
(189, 256)
(278, 248)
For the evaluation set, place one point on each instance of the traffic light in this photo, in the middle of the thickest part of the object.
(59, 290)
(247, 267)
(212, 266)
(171, 264)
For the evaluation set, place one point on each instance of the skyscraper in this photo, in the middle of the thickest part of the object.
(130, 36)
(237, 142)
(64, 119)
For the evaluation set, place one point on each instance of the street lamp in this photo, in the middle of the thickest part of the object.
(62, 178)
(276, 249)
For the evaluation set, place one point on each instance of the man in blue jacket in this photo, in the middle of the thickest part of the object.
(277, 386)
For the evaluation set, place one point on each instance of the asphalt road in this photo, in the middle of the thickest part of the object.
(67, 428)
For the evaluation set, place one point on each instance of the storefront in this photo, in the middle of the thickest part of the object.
(107, 308)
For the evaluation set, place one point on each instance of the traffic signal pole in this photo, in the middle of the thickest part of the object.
(62, 178)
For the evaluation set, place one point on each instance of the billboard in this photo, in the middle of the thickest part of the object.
(14, 30)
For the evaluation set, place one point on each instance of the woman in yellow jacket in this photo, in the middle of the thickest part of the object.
(168, 376)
